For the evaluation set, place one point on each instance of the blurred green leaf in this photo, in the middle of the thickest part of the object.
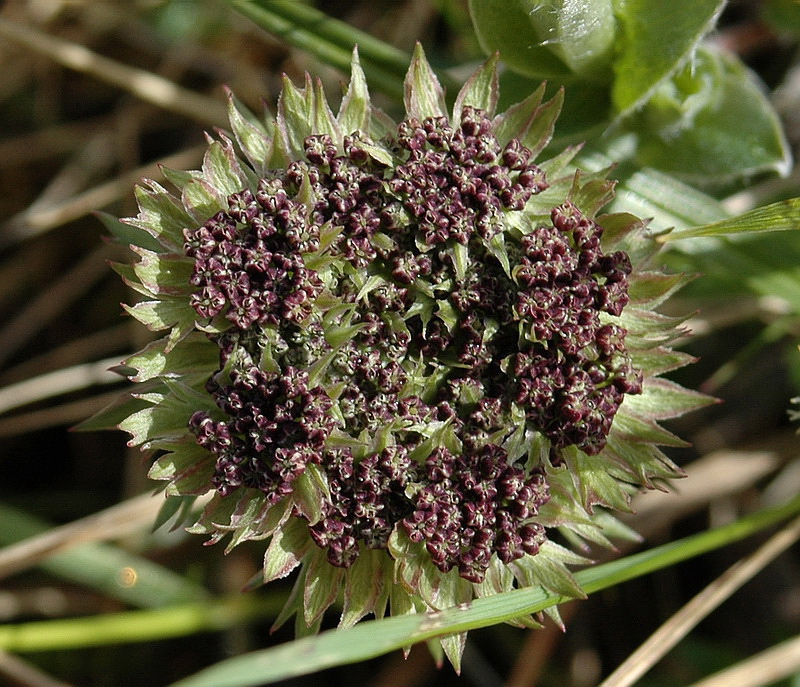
(783, 15)
(656, 38)
(712, 123)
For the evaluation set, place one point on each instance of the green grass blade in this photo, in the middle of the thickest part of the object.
(373, 638)
(780, 216)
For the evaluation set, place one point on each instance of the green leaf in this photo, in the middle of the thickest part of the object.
(188, 467)
(163, 274)
(202, 199)
(733, 132)
(295, 110)
(108, 418)
(194, 354)
(581, 33)
(424, 96)
(480, 90)
(160, 215)
(364, 586)
(517, 119)
(780, 216)
(252, 136)
(354, 112)
(540, 132)
(656, 38)
(168, 418)
(162, 314)
(127, 234)
(505, 26)
(662, 399)
(594, 484)
(286, 549)
(221, 169)
(322, 586)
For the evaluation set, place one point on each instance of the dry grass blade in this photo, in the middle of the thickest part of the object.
(58, 382)
(680, 624)
(38, 220)
(53, 301)
(143, 84)
(63, 414)
(118, 521)
(769, 666)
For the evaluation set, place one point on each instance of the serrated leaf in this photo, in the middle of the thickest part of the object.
(323, 584)
(540, 131)
(128, 234)
(286, 549)
(221, 169)
(650, 289)
(194, 354)
(365, 583)
(424, 96)
(111, 415)
(175, 508)
(656, 38)
(202, 199)
(324, 121)
(252, 137)
(548, 570)
(310, 493)
(161, 215)
(662, 399)
(658, 360)
(162, 314)
(517, 119)
(639, 463)
(295, 108)
(480, 91)
(593, 483)
(453, 646)
(164, 274)
(188, 467)
(643, 430)
(168, 417)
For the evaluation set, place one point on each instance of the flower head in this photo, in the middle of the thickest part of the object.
(404, 353)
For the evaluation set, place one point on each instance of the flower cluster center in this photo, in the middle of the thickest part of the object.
(399, 308)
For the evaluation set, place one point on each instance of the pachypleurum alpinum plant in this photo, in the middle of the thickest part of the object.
(407, 356)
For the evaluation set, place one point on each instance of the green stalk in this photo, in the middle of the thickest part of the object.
(139, 626)
(332, 41)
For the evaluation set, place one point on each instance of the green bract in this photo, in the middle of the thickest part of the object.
(414, 362)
